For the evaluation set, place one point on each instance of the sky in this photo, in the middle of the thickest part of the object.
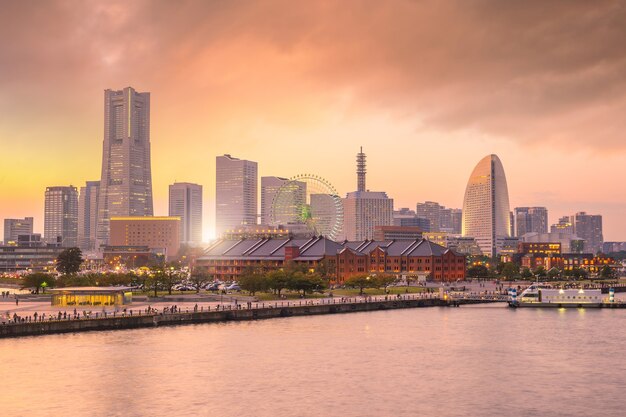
(428, 88)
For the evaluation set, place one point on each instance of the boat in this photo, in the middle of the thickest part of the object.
(539, 295)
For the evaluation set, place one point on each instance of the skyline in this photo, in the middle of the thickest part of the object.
(420, 112)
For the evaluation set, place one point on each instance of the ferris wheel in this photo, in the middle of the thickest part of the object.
(309, 200)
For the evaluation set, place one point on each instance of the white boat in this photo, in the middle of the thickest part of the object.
(539, 295)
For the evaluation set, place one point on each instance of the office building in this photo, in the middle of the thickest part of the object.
(407, 218)
(61, 216)
(235, 193)
(363, 210)
(126, 180)
(589, 228)
(88, 215)
(185, 201)
(292, 200)
(397, 233)
(162, 233)
(530, 220)
(432, 211)
(486, 213)
(16, 227)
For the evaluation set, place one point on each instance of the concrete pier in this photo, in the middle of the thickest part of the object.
(257, 312)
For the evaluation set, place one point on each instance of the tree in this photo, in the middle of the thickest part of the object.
(553, 273)
(38, 280)
(478, 271)
(607, 272)
(153, 281)
(306, 282)
(199, 279)
(253, 280)
(540, 271)
(510, 271)
(360, 281)
(526, 273)
(69, 261)
(278, 281)
(385, 280)
(170, 276)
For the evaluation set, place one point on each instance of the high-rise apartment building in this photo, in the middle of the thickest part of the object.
(486, 213)
(450, 220)
(88, 215)
(186, 202)
(292, 196)
(432, 211)
(564, 226)
(61, 216)
(407, 218)
(364, 210)
(15, 227)
(235, 194)
(126, 181)
(589, 228)
(530, 220)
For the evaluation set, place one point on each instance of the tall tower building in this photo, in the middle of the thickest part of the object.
(126, 181)
(15, 227)
(186, 203)
(88, 215)
(432, 211)
(235, 193)
(293, 193)
(486, 213)
(530, 220)
(364, 210)
(589, 228)
(61, 216)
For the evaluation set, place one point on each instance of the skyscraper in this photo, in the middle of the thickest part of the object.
(61, 216)
(364, 210)
(486, 213)
(126, 182)
(15, 227)
(186, 203)
(432, 211)
(235, 194)
(88, 215)
(589, 228)
(530, 220)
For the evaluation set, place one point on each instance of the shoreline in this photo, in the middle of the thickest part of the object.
(239, 314)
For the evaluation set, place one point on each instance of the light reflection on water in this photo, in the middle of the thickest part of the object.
(469, 361)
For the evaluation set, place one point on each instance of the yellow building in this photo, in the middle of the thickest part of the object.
(91, 296)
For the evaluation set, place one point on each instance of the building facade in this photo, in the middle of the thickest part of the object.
(407, 218)
(364, 210)
(589, 228)
(13, 228)
(61, 216)
(235, 193)
(397, 233)
(530, 220)
(432, 211)
(185, 201)
(88, 215)
(227, 259)
(126, 179)
(161, 233)
(486, 213)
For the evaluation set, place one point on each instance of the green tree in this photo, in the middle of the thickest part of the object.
(526, 273)
(154, 281)
(69, 261)
(607, 272)
(510, 271)
(385, 280)
(540, 271)
(278, 281)
(478, 271)
(360, 281)
(199, 279)
(306, 282)
(553, 273)
(38, 280)
(253, 280)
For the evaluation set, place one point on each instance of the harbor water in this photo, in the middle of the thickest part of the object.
(468, 361)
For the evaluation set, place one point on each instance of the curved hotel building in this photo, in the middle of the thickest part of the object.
(486, 212)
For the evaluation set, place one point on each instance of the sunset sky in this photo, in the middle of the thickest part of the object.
(426, 87)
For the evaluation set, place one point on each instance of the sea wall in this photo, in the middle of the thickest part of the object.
(275, 310)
